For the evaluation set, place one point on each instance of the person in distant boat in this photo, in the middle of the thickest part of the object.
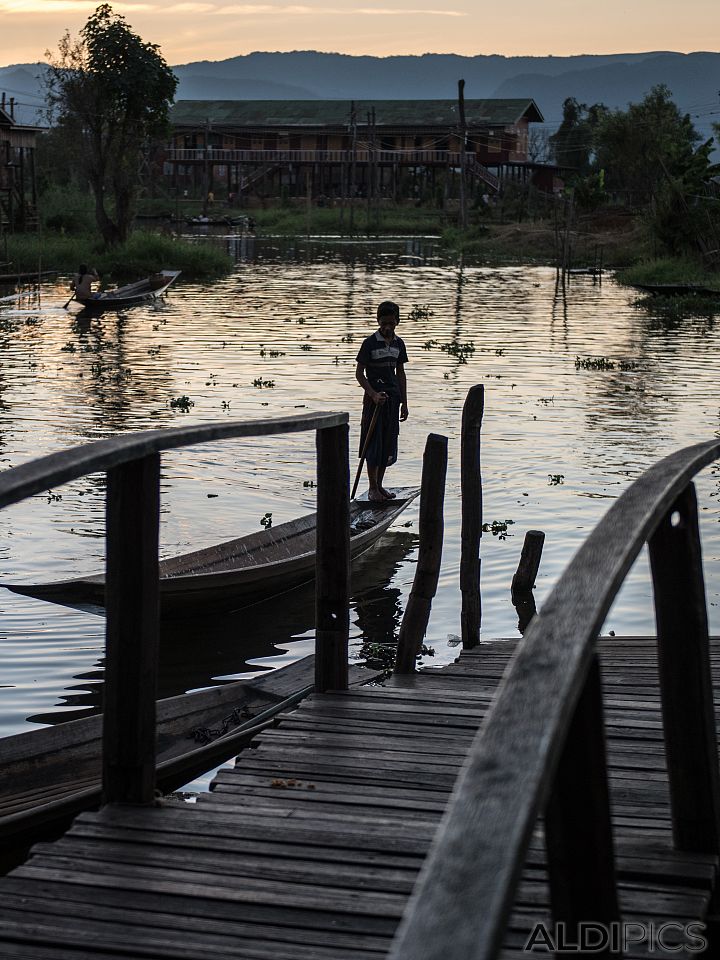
(82, 283)
(380, 372)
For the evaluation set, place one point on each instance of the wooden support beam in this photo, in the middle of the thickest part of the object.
(332, 560)
(685, 678)
(132, 602)
(578, 829)
(432, 498)
(472, 516)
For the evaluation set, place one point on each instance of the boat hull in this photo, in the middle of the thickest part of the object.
(132, 295)
(239, 572)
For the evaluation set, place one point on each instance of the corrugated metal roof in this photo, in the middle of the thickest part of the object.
(336, 113)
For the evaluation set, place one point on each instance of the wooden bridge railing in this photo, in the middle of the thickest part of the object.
(541, 748)
(132, 464)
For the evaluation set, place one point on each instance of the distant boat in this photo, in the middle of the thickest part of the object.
(142, 291)
(242, 571)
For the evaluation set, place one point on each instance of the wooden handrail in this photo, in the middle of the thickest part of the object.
(132, 463)
(39, 475)
(464, 896)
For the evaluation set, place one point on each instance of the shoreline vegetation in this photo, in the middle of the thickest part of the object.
(621, 241)
(144, 252)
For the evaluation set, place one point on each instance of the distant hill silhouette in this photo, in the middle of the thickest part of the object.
(613, 79)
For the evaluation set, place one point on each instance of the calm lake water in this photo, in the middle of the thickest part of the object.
(65, 381)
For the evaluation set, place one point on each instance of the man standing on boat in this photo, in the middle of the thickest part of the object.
(380, 372)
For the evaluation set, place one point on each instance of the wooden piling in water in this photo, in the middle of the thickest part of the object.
(432, 496)
(132, 631)
(332, 560)
(529, 564)
(472, 516)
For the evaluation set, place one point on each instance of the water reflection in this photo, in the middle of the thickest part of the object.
(197, 651)
(292, 314)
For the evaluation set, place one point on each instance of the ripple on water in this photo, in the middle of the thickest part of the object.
(279, 336)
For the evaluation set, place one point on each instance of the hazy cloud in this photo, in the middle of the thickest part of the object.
(253, 9)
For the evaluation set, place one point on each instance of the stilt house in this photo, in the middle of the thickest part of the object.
(18, 193)
(337, 148)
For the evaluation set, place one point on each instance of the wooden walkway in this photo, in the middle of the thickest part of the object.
(308, 849)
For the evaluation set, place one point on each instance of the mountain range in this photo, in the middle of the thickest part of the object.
(613, 79)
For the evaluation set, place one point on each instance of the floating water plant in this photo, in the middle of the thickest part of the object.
(266, 521)
(461, 351)
(555, 478)
(498, 528)
(309, 483)
(305, 346)
(259, 382)
(429, 344)
(603, 363)
(420, 312)
(182, 404)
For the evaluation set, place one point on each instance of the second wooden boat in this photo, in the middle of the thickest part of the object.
(51, 774)
(242, 571)
(132, 294)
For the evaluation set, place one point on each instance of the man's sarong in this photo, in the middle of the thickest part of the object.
(382, 450)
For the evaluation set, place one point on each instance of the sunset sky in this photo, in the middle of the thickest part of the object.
(196, 30)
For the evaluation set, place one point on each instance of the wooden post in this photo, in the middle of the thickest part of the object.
(472, 513)
(353, 157)
(578, 829)
(685, 678)
(527, 570)
(463, 137)
(132, 631)
(332, 563)
(432, 497)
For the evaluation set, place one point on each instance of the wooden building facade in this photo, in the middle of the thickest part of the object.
(331, 148)
(18, 191)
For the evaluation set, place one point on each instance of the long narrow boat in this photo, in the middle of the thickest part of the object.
(238, 572)
(51, 774)
(132, 294)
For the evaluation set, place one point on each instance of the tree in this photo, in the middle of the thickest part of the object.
(573, 142)
(111, 91)
(650, 145)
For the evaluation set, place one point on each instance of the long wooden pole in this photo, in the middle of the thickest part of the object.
(463, 138)
(472, 516)
(427, 573)
(363, 452)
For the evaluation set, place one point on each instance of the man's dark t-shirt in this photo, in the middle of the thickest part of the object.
(380, 361)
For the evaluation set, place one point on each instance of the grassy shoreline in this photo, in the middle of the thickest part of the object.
(144, 253)
(621, 241)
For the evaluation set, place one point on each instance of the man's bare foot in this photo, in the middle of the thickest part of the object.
(388, 494)
(376, 496)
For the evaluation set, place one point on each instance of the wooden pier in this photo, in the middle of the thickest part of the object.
(560, 779)
(310, 846)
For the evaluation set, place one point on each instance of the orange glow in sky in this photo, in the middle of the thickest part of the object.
(189, 30)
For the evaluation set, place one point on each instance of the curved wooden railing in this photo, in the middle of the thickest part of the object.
(132, 597)
(541, 748)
